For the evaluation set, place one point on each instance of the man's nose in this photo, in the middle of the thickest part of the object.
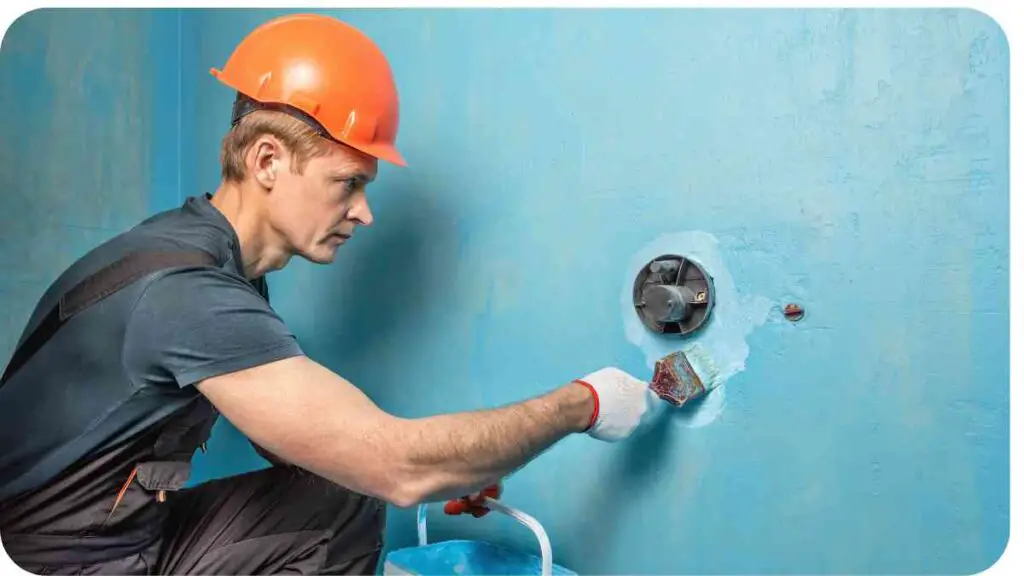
(360, 211)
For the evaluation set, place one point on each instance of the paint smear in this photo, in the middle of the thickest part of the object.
(724, 335)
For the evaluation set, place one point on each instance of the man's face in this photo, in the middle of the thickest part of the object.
(316, 211)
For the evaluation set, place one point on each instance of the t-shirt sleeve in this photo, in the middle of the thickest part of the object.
(196, 324)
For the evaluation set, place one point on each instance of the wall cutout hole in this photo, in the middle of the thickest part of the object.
(793, 312)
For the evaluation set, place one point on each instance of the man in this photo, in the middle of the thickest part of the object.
(135, 350)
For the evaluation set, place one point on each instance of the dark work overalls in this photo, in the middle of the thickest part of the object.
(125, 511)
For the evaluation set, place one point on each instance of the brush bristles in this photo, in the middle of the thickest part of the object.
(703, 365)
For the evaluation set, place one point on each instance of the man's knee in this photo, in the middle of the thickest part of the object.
(355, 525)
(318, 503)
(327, 524)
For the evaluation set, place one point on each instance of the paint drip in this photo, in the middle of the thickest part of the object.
(734, 317)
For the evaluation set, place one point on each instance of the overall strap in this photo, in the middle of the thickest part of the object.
(95, 288)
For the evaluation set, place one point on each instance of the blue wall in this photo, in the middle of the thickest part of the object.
(854, 162)
(89, 101)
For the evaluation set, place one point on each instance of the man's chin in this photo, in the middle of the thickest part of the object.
(325, 255)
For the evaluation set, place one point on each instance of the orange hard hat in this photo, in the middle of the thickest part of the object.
(322, 71)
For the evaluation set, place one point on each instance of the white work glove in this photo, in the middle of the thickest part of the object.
(622, 401)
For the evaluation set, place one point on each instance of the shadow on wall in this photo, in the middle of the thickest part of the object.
(391, 288)
(630, 472)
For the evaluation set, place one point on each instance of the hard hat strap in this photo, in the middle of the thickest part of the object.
(244, 105)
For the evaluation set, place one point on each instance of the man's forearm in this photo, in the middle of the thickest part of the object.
(311, 417)
(454, 454)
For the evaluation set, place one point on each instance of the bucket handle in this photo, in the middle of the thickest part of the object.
(518, 515)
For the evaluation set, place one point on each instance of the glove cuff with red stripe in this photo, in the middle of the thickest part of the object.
(620, 403)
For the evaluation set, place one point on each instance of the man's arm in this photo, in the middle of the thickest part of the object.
(315, 419)
(209, 329)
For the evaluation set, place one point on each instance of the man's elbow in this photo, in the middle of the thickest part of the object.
(406, 484)
(404, 491)
(403, 497)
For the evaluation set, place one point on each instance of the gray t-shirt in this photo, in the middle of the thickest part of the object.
(133, 358)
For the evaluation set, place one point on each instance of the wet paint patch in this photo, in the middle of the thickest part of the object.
(725, 335)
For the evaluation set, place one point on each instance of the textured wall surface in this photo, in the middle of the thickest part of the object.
(89, 108)
(854, 162)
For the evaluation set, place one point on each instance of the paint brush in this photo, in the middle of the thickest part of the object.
(685, 375)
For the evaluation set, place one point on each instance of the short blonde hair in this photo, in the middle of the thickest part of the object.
(299, 138)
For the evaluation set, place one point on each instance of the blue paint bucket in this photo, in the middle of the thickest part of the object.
(472, 557)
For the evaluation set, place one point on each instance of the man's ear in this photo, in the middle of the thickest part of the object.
(264, 161)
